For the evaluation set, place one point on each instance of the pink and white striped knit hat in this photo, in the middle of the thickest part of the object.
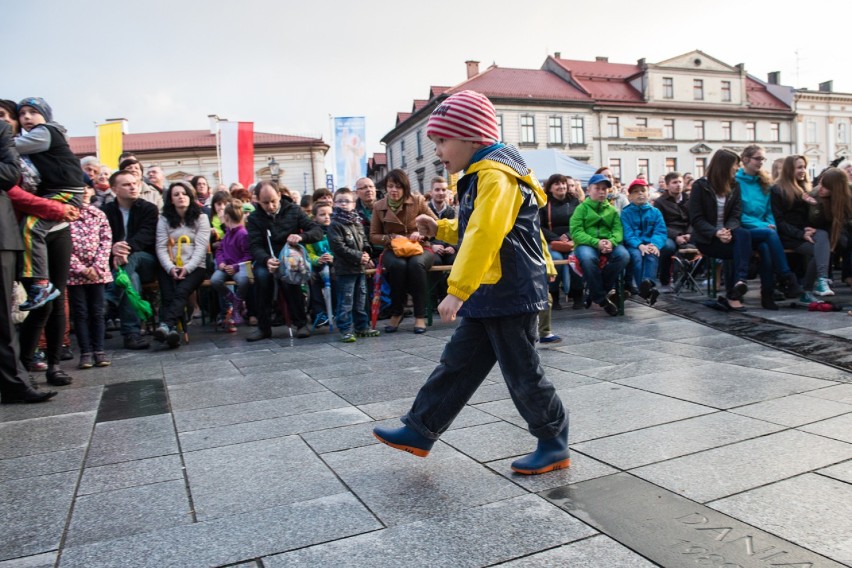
(466, 115)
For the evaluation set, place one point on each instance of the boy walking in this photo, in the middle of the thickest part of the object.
(44, 143)
(349, 247)
(498, 284)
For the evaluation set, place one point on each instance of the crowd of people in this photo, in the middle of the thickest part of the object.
(93, 242)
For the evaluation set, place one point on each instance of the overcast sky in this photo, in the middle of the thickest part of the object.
(287, 66)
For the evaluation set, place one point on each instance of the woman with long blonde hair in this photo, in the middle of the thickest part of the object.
(791, 202)
(833, 211)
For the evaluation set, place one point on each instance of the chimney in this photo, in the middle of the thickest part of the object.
(826, 87)
(774, 78)
(472, 68)
(640, 62)
(601, 59)
(558, 55)
(214, 123)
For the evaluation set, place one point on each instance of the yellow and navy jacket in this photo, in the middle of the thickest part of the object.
(501, 266)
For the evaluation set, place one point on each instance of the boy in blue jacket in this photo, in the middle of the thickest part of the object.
(498, 284)
(644, 235)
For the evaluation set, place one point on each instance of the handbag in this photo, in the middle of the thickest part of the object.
(403, 247)
(558, 246)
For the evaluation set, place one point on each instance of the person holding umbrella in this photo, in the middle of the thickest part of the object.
(350, 248)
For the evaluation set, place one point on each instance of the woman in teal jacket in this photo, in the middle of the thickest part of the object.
(757, 217)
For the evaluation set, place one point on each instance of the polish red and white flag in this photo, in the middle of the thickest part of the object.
(236, 152)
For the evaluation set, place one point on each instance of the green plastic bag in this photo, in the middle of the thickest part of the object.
(140, 306)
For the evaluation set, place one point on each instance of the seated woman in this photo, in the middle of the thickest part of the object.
(791, 203)
(715, 208)
(757, 217)
(394, 216)
(563, 196)
(832, 211)
(183, 236)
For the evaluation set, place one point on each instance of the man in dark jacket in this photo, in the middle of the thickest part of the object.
(134, 229)
(276, 222)
(13, 387)
(673, 204)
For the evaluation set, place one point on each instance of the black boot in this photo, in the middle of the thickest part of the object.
(767, 300)
(555, 296)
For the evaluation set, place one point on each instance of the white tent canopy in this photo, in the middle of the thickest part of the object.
(545, 163)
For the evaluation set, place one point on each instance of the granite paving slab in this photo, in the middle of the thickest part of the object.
(721, 472)
(837, 393)
(488, 442)
(240, 478)
(70, 400)
(357, 435)
(565, 359)
(43, 435)
(379, 386)
(130, 474)
(471, 537)
(666, 441)
(812, 369)
(179, 378)
(675, 532)
(723, 386)
(133, 399)
(231, 539)
(269, 428)
(649, 363)
(45, 560)
(123, 512)
(387, 408)
(33, 512)
(354, 370)
(41, 464)
(134, 439)
(605, 409)
(608, 351)
(841, 471)
(400, 488)
(594, 552)
(810, 510)
(257, 410)
(794, 410)
(231, 391)
(838, 428)
(582, 468)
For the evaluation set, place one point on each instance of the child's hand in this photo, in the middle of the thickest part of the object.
(426, 226)
(449, 307)
(71, 213)
(326, 258)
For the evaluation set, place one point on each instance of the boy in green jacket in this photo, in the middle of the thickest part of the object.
(597, 234)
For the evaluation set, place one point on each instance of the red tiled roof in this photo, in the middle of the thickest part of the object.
(760, 98)
(418, 104)
(402, 117)
(380, 159)
(435, 91)
(184, 140)
(604, 81)
(500, 82)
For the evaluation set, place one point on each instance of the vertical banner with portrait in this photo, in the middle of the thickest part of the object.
(350, 150)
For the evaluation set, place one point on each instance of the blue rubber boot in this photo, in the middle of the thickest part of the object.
(405, 439)
(550, 454)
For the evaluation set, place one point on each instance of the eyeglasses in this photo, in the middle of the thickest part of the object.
(343, 201)
(760, 159)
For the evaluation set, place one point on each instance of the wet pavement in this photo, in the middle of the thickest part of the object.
(698, 439)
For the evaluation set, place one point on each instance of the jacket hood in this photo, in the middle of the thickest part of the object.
(508, 160)
(743, 177)
(60, 128)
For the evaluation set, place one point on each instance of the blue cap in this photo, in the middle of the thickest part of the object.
(600, 178)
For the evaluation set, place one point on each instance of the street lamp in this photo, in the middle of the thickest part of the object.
(274, 169)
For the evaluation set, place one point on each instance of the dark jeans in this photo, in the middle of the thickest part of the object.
(476, 345)
(666, 254)
(142, 268)
(174, 294)
(12, 371)
(87, 307)
(601, 281)
(351, 294)
(738, 250)
(264, 285)
(772, 258)
(408, 276)
(51, 316)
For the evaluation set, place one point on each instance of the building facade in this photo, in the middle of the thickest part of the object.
(823, 126)
(187, 153)
(634, 118)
